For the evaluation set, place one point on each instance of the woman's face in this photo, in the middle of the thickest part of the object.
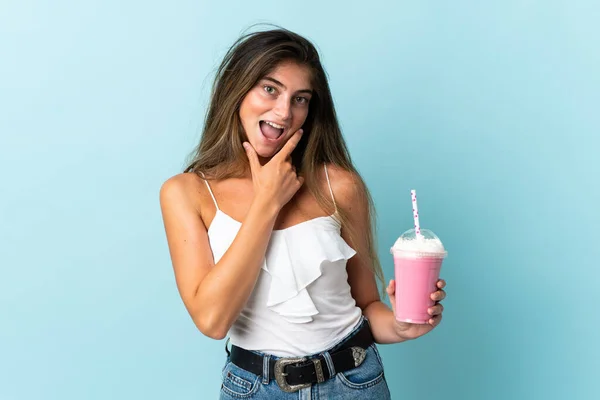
(276, 107)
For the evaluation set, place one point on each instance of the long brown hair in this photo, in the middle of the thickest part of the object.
(220, 154)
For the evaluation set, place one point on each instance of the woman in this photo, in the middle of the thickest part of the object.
(270, 234)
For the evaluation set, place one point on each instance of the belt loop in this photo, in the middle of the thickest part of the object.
(226, 349)
(265, 373)
(329, 363)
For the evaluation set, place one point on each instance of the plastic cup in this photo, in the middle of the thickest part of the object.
(417, 264)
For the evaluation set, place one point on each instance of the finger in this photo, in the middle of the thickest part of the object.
(252, 157)
(391, 287)
(441, 283)
(435, 321)
(439, 295)
(291, 144)
(435, 310)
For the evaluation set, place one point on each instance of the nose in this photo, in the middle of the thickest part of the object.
(283, 108)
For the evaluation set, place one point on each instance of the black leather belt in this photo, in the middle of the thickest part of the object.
(292, 374)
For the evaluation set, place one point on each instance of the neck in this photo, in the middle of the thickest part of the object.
(263, 160)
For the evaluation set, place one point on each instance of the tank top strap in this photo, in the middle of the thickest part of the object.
(210, 190)
(329, 184)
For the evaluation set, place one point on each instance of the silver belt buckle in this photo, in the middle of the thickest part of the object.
(280, 374)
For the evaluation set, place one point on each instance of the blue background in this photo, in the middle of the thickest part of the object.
(488, 109)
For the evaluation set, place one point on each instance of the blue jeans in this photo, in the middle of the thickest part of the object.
(367, 381)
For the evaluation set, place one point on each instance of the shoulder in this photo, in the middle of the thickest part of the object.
(181, 188)
(339, 176)
(348, 187)
(181, 183)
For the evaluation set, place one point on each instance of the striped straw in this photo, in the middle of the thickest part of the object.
(413, 194)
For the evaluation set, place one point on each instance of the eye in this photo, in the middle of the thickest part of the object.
(269, 89)
(301, 100)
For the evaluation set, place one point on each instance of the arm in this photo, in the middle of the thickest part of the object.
(214, 295)
(352, 198)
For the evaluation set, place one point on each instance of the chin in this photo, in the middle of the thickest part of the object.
(266, 149)
(266, 153)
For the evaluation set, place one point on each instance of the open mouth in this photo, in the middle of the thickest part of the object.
(271, 130)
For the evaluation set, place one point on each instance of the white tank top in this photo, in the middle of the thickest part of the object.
(301, 303)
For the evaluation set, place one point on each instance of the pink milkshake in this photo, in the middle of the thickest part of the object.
(418, 256)
(417, 263)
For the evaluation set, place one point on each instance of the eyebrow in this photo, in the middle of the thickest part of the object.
(268, 78)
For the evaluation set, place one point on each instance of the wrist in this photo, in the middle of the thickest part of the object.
(404, 330)
(400, 329)
(265, 208)
(383, 323)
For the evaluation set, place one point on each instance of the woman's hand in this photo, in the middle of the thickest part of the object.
(276, 182)
(412, 331)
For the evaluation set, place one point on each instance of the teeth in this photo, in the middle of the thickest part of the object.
(274, 125)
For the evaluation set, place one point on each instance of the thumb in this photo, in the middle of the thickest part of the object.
(252, 157)
(391, 291)
(391, 287)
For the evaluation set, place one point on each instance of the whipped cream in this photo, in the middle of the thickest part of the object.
(419, 245)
